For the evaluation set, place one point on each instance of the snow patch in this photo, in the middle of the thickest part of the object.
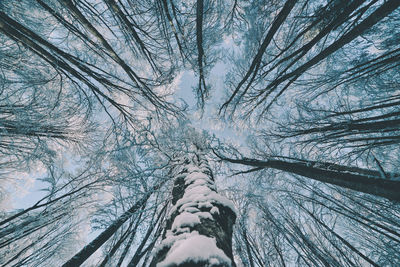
(185, 219)
(191, 209)
(195, 249)
(214, 210)
(203, 197)
(191, 177)
(199, 202)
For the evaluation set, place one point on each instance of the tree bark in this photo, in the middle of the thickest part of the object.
(91, 248)
(199, 228)
(358, 179)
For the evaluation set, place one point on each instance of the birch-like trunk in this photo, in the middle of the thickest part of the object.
(199, 227)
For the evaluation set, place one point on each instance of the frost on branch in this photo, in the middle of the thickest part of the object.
(199, 228)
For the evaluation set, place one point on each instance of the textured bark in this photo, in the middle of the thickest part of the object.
(358, 179)
(80, 257)
(192, 174)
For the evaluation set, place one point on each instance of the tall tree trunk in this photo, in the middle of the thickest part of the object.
(358, 179)
(199, 228)
(79, 258)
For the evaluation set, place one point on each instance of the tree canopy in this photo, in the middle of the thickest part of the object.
(294, 105)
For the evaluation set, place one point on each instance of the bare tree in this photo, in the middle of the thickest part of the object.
(199, 228)
(87, 92)
(301, 37)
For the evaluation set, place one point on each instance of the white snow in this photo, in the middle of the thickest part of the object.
(203, 197)
(198, 202)
(200, 194)
(191, 209)
(214, 210)
(170, 239)
(185, 219)
(191, 177)
(196, 248)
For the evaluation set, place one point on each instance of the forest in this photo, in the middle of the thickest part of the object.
(217, 133)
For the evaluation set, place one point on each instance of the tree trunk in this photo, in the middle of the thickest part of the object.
(199, 228)
(358, 179)
(79, 258)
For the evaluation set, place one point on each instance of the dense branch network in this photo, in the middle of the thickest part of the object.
(89, 111)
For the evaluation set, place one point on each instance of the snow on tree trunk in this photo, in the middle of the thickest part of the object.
(199, 228)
